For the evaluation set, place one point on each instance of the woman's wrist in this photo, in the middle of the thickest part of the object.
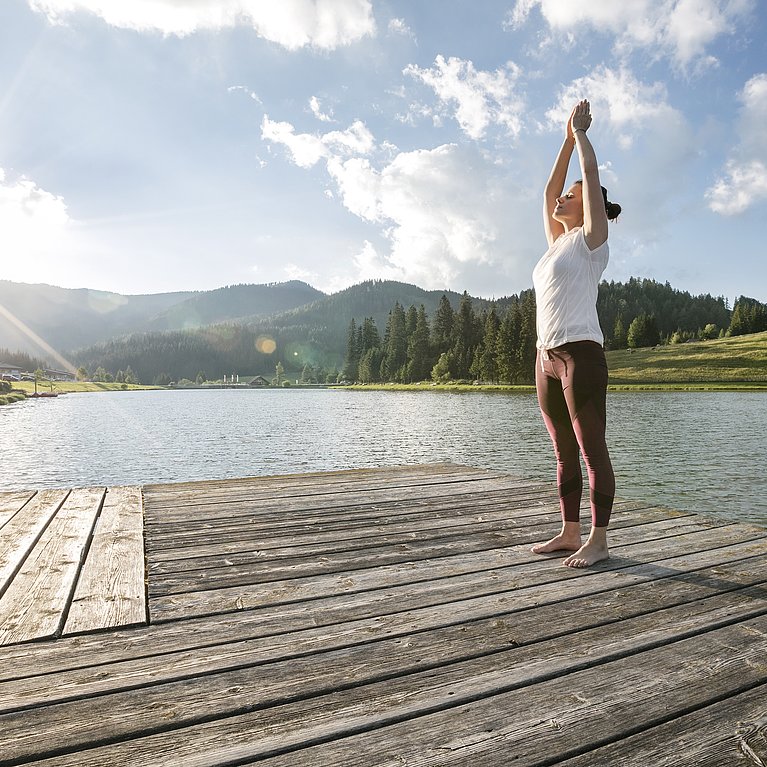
(575, 130)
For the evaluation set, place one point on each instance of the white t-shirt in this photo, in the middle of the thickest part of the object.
(566, 281)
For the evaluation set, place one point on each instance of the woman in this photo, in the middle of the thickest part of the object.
(571, 371)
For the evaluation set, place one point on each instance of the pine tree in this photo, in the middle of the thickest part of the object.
(393, 366)
(507, 344)
(444, 319)
(528, 336)
(485, 360)
(464, 338)
(643, 331)
(619, 334)
(420, 362)
(352, 360)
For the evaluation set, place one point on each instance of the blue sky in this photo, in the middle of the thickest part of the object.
(161, 145)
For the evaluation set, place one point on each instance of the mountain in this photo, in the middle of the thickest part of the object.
(374, 298)
(68, 319)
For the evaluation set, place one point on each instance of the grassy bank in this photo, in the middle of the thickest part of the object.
(64, 387)
(726, 362)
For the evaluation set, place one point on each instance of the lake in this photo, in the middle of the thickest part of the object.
(696, 451)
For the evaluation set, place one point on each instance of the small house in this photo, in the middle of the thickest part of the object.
(10, 372)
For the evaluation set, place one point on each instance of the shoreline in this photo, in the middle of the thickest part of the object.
(460, 388)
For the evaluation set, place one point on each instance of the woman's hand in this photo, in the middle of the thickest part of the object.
(580, 118)
(569, 128)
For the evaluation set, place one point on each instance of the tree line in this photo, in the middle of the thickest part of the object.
(457, 345)
(499, 346)
(446, 336)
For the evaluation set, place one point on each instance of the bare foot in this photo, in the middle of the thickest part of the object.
(590, 553)
(561, 542)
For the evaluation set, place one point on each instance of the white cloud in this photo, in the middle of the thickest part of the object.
(439, 209)
(744, 181)
(480, 99)
(399, 27)
(308, 149)
(443, 211)
(316, 109)
(619, 100)
(33, 222)
(252, 94)
(680, 29)
(645, 146)
(293, 24)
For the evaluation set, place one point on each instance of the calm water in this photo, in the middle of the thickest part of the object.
(693, 451)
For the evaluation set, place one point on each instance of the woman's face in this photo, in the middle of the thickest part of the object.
(569, 207)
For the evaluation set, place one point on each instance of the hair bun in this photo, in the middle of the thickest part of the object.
(613, 210)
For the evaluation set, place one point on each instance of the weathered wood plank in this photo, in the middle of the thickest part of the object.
(561, 703)
(344, 516)
(556, 718)
(236, 490)
(133, 712)
(467, 628)
(260, 570)
(164, 541)
(724, 734)
(226, 505)
(18, 535)
(11, 502)
(733, 567)
(111, 589)
(211, 554)
(399, 586)
(35, 603)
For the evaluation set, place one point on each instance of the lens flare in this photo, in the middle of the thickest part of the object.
(266, 345)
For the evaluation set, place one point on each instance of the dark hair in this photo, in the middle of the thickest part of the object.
(612, 209)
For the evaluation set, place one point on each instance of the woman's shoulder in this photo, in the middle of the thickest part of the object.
(599, 250)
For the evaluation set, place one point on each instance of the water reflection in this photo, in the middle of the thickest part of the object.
(688, 450)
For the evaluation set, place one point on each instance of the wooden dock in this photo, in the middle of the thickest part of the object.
(374, 617)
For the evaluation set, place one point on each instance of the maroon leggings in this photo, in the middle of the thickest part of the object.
(572, 392)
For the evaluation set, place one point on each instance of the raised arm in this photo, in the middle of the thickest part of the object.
(556, 184)
(594, 213)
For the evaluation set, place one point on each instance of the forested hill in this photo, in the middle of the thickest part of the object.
(374, 299)
(68, 319)
(235, 302)
(317, 336)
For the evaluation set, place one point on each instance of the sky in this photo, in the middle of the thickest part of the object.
(166, 145)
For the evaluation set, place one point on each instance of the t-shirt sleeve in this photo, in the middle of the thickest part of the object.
(600, 254)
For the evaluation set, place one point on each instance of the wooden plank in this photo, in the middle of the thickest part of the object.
(327, 504)
(520, 704)
(327, 623)
(216, 551)
(343, 516)
(730, 732)
(163, 541)
(263, 569)
(545, 723)
(428, 636)
(233, 490)
(35, 603)
(335, 597)
(11, 502)
(111, 589)
(19, 534)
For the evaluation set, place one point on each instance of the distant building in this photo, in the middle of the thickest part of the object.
(59, 375)
(259, 381)
(10, 371)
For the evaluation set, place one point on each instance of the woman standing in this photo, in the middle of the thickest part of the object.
(571, 371)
